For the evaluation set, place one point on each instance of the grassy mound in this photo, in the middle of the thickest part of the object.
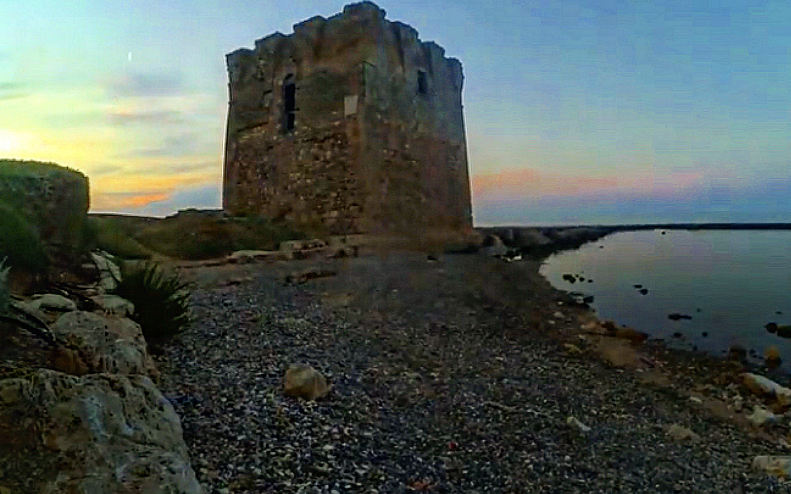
(187, 235)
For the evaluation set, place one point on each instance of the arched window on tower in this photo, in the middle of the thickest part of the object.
(289, 103)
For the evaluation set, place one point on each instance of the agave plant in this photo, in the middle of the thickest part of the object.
(161, 299)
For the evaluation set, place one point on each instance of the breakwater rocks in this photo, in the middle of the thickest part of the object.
(543, 241)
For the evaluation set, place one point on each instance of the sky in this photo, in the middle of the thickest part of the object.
(577, 112)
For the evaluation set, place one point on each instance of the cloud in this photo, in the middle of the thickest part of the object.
(135, 85)
(175, 146)
(12, 90)
(128, 117)
(160, 203)
(528, 182)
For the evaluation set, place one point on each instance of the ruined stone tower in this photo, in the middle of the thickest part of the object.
(351, 124)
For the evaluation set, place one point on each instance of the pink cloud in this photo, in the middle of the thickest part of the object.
(528, 182)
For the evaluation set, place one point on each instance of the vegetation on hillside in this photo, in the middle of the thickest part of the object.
(20, 242)
(187, 235)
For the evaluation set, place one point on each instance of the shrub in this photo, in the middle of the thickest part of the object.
(20, 242)
(161, 299)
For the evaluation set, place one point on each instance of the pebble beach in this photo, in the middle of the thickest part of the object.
(450, 374)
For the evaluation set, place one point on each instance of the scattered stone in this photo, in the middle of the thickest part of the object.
(300, 278)
(779, 466)
(678, 335)
(303, 381)
(574, 422)
(675, 316)
(109, 272)
(696, 400)
(761, 416)
(572, 349)
(570, 278)
(53, 302)
(680, 433)
(631, 334)
(618, 353)
(782, 330)
(762, 386)
(114, 305)
(772, 356)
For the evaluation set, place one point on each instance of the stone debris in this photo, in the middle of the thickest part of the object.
(680, 433)
(779, 466)
(109, 272)
(763, 386)
(303, 381)
(761, 416)
(114, 305)
(53, 302)
(574, 422)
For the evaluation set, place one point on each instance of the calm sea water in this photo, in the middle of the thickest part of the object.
(732, 283)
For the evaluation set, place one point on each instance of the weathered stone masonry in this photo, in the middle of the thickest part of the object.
(351, 124)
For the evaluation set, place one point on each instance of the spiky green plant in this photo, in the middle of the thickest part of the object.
(161, 299)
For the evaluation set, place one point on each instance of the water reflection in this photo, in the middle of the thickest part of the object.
(722, 287)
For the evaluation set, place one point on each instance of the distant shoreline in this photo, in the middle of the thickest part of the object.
(656, 226)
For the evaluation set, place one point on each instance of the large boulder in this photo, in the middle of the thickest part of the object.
(109, 344)
(97, 434)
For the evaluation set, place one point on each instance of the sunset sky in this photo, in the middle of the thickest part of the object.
(576, 111)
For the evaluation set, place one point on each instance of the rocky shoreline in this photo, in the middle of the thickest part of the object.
(449, 373)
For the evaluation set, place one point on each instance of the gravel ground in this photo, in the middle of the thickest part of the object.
(445, 379)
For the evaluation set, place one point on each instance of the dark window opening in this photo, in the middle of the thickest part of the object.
(422, 82)
(289, 103)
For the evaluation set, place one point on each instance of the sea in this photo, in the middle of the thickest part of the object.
(722, 287)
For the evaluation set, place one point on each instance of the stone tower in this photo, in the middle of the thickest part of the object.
(351, 124)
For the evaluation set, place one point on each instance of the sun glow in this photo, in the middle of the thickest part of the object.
(13, 141)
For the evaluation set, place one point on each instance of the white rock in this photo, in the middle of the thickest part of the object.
(760, 416)
(109, 272)
(115, 305)
(763, 386)
(51, 301)
(779, 466)
(573, 421)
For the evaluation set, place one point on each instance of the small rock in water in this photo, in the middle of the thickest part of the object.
(638, 286)
(704, 334)
(678, 335)
(644, 291)
(772, 356)
(570, 278)
(676, 316)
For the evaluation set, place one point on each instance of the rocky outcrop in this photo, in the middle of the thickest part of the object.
(108, 344)
(100, 433)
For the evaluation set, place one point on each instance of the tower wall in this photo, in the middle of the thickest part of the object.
(377, 143)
